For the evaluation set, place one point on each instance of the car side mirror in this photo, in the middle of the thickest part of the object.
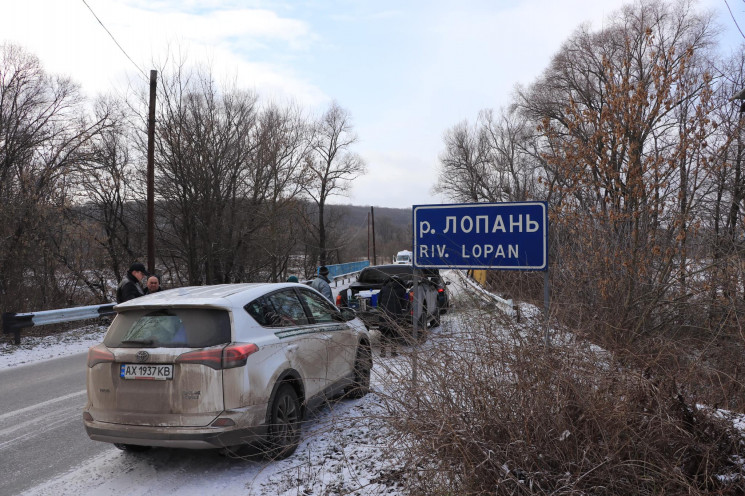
(347, 314)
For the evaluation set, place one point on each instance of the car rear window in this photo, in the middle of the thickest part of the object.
(169, 328)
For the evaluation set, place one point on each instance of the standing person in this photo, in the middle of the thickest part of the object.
(153, 285)
(321, 283)
(391, 307)
(130, 287)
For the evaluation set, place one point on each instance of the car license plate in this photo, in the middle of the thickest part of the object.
(148, 372)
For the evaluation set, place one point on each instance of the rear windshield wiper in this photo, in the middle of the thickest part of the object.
(138, 341)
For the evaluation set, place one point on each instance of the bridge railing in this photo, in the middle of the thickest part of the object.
(13, 322)
(344, 271)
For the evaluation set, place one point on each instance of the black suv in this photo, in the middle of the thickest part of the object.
(362, 294)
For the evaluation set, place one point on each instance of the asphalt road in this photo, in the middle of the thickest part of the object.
(41, 425)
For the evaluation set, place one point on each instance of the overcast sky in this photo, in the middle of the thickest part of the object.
(405, 70)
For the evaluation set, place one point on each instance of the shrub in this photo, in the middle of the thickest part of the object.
(494, 411)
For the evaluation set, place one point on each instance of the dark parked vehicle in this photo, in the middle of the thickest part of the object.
(362, 294)
(443, 297)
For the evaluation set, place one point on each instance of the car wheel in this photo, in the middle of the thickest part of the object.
(362, 366)
(132, 448)
(284, 423)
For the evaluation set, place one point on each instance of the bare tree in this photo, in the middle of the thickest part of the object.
(331, 167)
(625, 111)
(204, 175)
(722, 224)
(494, 160)
(107, 183)
(44, 131)
(466, 174)
(282, 137)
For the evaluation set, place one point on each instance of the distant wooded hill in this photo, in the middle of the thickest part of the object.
(392, 232)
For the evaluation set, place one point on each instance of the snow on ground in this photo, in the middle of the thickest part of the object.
(344, 448)
(35, 348)
(342, 452)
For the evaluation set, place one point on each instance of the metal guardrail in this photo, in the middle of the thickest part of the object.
(344, 271)
(14, 322)
(506, 306)
(345, 268)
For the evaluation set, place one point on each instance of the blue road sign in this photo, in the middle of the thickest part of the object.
(507, 236)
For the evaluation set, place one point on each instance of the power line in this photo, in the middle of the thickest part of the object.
(112, 37)
(733, 18)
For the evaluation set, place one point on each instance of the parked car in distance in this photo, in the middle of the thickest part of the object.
(362, 294)
(222, 366)
(404, 257)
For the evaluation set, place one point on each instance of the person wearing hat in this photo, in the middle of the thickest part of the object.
(130, 286)
(321, 283)
(292, 279)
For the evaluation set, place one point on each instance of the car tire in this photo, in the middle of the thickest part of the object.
(132, 448)
(362, 366)
(283, 434)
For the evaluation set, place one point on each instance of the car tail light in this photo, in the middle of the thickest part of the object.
(236, 355)
(228, 357)
(338, 300)
(440, 290)
(223, 422)
(99, 354)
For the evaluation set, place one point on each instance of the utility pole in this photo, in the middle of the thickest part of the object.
(151, 175)
(368, 236)
(372, 216)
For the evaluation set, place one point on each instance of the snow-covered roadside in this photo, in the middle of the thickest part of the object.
(343, 449)
(34, 349)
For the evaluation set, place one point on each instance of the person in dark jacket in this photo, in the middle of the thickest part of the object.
(321, 283)
(391, 317)
(130, 287)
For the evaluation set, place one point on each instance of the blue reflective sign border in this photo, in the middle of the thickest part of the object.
(503, 236)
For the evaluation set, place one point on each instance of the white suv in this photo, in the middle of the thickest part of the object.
(222, 366)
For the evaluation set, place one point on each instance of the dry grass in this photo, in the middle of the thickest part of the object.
(493, 411)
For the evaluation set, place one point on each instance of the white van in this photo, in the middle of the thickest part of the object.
(404, 257)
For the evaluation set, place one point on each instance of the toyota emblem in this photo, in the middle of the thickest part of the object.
(142, 356)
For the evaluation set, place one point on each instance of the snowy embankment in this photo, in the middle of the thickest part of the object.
(344, 448)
